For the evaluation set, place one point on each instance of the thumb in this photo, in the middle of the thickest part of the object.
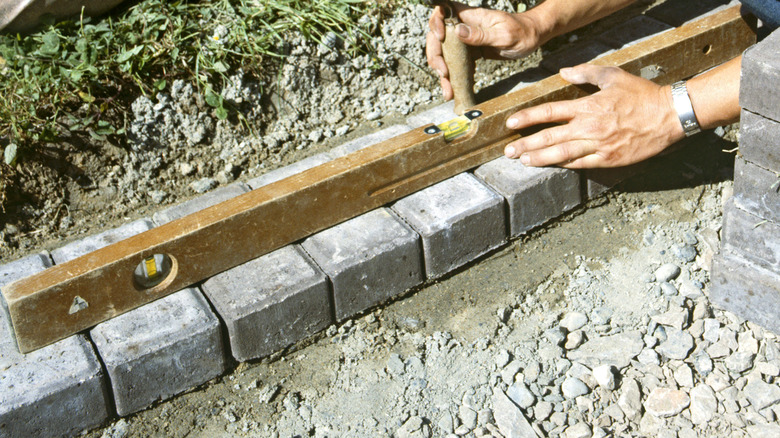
(473, 35)
(602, 77)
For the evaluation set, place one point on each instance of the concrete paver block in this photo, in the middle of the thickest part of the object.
(633, 31)
(157, 350)
(435, 115)
(746, 289)
(535, 195)
(288, 171)
(202, 202)
(271, 302)
(755, 239)
(759, 139)
(58, 390)
(758, 90)
(369, 259)
(459, 219)
(599, 181)
(575, 54)
(161, 349)
(757, 190)
(97, 241)
(368, 140)
(677, 13)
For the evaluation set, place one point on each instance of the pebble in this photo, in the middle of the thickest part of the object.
(666, 402)
(704, 404)
(521, 395)
(677, 318)
(616, 350)
(711, 330)
(690, 290)
(648, 356)
(761, 394)
(667, 272)
(683, 375)
(555, 335)
(573, 387)
(373, 115)
(579, 430)
(677, 344)
(739, 362)
(203, 185)
(468, 417)
(605, 376)
(630, 400)
(574, 340)
(686, 253)
(509, 419)
(574, 321)
(542, 410)
(668, 289)
(601, 316)
(414, 427)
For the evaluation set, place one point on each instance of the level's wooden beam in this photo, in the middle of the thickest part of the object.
(233, 232)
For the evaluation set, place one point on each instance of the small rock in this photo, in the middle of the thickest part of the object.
(373, 115)
(446, 423)
(574, 321)
(717, 381)
(739, 362)
(186, 169)
(601, 316)
(573, 387)
(502, 358)
(668, 289)
(559, 418)
(510, 371)
(616, 350)
(521, 395)
(414, 427)
(555, 335)
(686, 253)
(542, 410)
(747, 343)
(677, 318)
(605, 376)
(509, 419)
(704, 404)
(574, 340)
(711, 330)
(683, 375)
(761, 394)
(630, 400)
(648, 356)
(764, 431)
(768, 369)
(690, 290)
(677, 344)
(341, 130)
(468, 417)
(718, 350)
(666, 402)
(203, 185)
(667, 272)
(579, 430)
(484, 416)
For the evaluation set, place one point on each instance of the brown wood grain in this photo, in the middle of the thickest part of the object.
(238, 230)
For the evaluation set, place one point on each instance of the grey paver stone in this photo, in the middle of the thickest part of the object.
(157, 350)
(756, 190)
(758, 91)
(270, 302)
(633, 31)
(575, 54)
(758, 140)
(755, 239)
(534, 195)
(459, 219)
(97, 241)
(435, 115)
(746, 289)
(287, 171)
(202, 202)
(369, 259)
(368, 140)
(58, 390)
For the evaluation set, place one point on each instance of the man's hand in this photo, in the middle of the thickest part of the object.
(492, 34)
(630, 119)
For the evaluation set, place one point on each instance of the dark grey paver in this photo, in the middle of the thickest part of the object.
(369, 259)
(271, 302)
(534, 195)
(459, 219)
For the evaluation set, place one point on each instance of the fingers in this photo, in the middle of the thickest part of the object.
(436, 62)
(567, 154)
(591, 74)
(436, 23)
(551, 112)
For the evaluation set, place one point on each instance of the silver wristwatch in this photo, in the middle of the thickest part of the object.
(682, 104)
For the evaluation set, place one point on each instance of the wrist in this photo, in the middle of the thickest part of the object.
(542, 23)
(684, 109)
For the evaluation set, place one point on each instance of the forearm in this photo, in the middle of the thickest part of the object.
(715, 95)
(556, 17)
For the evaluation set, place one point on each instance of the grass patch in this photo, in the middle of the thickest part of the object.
(76, 78)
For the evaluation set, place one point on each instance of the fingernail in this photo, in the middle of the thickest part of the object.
(512, 123)
(462, 30)
(509, 151)
(525, 159)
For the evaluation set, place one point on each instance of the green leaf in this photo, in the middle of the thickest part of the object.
(128, 54)
(51, 44)
(213, 100)
(221, 113)
(220, 67)
(160, 84)
(10, 154)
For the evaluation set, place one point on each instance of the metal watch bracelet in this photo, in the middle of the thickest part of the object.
(682, 104)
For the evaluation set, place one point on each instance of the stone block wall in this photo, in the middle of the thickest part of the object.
(746, 273)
